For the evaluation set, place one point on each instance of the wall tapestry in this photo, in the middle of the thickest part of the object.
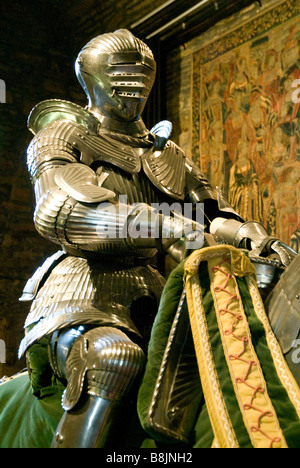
(246, 118)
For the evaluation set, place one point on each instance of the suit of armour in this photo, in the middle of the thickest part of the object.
(98, 174)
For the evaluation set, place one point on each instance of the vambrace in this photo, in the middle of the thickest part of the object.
(79, 222)
(252, 236)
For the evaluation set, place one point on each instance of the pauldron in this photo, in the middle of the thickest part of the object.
(65, 132)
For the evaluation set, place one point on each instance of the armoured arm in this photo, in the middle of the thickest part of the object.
(252, 236)
(201, 194)
(227, 226)
(72, 208)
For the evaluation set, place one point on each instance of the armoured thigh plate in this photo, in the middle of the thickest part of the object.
(83, 292)
(105, 356)
(100, 365)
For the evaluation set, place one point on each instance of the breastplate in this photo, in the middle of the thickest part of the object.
(136, 187)
(164, 168)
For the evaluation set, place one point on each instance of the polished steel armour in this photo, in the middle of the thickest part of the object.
(97, 171)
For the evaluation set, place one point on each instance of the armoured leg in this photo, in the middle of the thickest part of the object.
(100, 369)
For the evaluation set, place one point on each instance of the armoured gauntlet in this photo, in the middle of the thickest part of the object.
(252, 236)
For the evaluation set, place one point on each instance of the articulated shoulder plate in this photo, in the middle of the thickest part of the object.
(81, 183)
(51, 110)
(71, 141)
(166, 169)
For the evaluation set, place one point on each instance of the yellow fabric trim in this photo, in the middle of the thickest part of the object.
(241, 266)
(215, 444)
(256, 406)
(250, 387)
(220, 420)
(286, 377)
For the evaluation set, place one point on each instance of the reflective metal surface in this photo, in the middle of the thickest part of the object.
(83, 184)
(117, 72)
(33, 284)
(51, 110)
(178, 392)
(283, 306)
(110, 362)
(80, 291)
(283, 309)
(253, 236)
(108, 359)
(268, 271)
(82, 161)
(88, 425)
